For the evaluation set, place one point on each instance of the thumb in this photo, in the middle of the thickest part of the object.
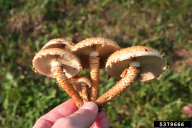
(83, 118)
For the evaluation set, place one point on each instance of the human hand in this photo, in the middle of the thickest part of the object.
(67, 115)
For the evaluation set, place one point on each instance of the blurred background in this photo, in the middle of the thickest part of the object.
(25, 26)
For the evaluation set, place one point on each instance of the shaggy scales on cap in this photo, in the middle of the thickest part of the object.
(59, 43)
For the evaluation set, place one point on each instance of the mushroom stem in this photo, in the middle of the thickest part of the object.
(126, 81)
(82, 84)
(55, 63)
(134, 64)
(74, 78)
(84, 94)
(94, 73)
(65, 84)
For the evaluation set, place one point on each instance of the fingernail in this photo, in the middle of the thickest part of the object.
(90, 106)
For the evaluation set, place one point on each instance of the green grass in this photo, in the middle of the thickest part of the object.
(162, 24)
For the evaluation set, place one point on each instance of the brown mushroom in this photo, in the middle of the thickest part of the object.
(137, 63)
(59, 43)
(95, 50)
(82, 85)
(59, 64)
(63, 44)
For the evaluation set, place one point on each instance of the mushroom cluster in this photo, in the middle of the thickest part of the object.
(64, 60)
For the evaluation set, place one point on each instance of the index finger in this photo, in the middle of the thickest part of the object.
(63, 110)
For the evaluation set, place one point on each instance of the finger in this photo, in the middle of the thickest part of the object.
(102, 121)
(63, 110)
(99, 116)
(83, 118)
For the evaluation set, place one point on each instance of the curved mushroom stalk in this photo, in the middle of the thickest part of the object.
(84, 93)
(82, 85)
(65, 84)
(130, 75)
(74, 78)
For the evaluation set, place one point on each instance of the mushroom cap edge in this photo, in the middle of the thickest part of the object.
(152, 62)
(70, 63)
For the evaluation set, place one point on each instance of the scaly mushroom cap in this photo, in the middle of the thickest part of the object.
(152, 63)
(82, 80)
(59, 43)
(42, 62)
(104, 46)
